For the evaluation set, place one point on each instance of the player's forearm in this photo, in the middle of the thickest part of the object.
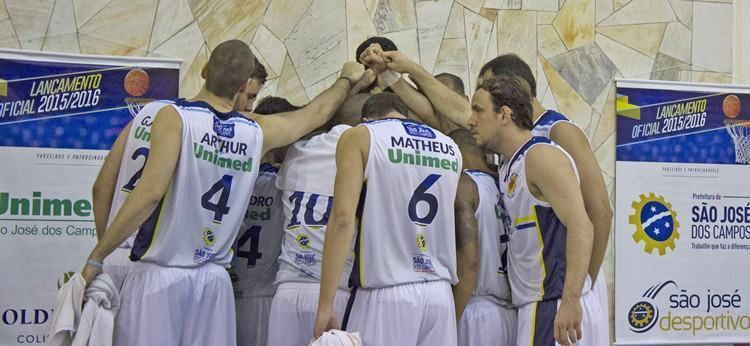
(444, 100)
(601, 218)
(468, 265)
(322, 107)
(336, 246)
(134, 212)
(417, 103)
(577, 254)
(102, 195)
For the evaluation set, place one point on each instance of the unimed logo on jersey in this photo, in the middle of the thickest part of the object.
(655, 223)
(417, 130)
(669, 308)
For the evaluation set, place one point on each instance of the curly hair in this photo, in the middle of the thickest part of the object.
(513, 92)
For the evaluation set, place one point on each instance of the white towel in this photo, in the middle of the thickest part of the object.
(310, 165)
(92, 324)
(337, 337)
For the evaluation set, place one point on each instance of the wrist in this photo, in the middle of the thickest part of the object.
(571, 298)
(94, 263)
(389, 77)
(350, 81)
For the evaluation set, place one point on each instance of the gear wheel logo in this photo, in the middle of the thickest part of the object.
(655, 222)
(642, 316)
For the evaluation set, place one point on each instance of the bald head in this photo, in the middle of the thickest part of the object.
(230, 66)
(350, 112)
(466, 143)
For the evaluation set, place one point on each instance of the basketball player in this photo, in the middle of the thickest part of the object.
(247, 95)
(189, 204)
(399, 178)
(551, 236)
(306, 179)
(547, 123)
(258, 244)
(483, 304)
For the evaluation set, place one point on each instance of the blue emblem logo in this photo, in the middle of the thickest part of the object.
(225, 130)
(417, 130)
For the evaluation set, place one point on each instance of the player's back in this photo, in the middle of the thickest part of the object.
(198, 218)
(406, 220)
(258, 243)
(492, 238)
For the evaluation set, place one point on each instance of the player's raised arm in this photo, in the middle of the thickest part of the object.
(444, 100)
(166, 135)
(551, 174)
(467, 248)
(104, 186)
(351, 159)
(595, 197)
(285, 128)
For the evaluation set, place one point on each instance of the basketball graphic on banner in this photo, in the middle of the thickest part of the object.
(136, 82)
(731, 106)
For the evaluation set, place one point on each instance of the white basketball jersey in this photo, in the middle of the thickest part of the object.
(307, 208)
(492, 279)
(198, 218)
(258, 243)
(536, 251)
(544, 124)
(134, 158)
(406, 216)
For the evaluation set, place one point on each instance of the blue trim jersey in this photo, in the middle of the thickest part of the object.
(258, 243)
(134, 156)
(536, 251)
(198, 218)
(492, 237)
(406, 225)
(544, 124)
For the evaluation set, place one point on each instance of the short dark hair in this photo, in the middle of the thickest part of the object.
(511, 91)
(512, 65)
(465, 140)
(273, 105)
(384, 43)
(454, 82)
(229, 67)
(380, 105)
(259, 72)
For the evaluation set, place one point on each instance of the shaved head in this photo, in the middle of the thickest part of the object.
(350, 112)
(230, 66)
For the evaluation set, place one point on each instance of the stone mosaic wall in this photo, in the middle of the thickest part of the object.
(575, 47)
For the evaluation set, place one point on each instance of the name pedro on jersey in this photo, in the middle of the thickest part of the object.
(217, 146)
(415, 156)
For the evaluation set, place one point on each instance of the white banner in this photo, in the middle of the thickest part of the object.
(682, 225)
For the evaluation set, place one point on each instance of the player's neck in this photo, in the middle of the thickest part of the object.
(513, 140)
(476, 163)
(220, 104)
(536, 109)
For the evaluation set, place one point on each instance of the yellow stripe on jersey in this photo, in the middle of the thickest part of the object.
(158, 221)
(533, 324)
(525, 219)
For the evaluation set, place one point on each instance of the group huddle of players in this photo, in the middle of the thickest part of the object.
(376, 208)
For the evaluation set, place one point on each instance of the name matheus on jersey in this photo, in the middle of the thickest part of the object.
(409, 151)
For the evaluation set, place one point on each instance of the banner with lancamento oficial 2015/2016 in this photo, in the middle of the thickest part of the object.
(59, 114)
(682, 224)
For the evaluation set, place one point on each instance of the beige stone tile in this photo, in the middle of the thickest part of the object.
(358, 26)
(586, 69)
(432, 19)
(222, 20)
(455, 27)
(669, 68)
(66, 43)
(8, 37)
(271, 73)
(134, 32)
(548, 101)
(290, 87)
(282, 15)
(394, 15)
(600, 101)
(3, 11)
(606, 126)
(317, 45)
(605, 154)
(192, 83)
(541, 81)
(575, 23)
(453, 59)
(503, 4)
(269, 89)
(710, 77)
(92, 44)
(591, 129)
(372, 6)
(184, 45)
(406, 41)
(640, 12)
(492, 49)
(620, 4)
(545, 18)
(684, 11)
(677, 42)
(604, 8)
(489, 13)
(631, 63)
(540, 5)
(30, 20)
(644, 38)
(516, 33)
(321, 86)
(86, 9)
(569, 102)
(712, 36)
(474, 5)
(549, 43)
(478, 31)
(171, 17)
(270, 48)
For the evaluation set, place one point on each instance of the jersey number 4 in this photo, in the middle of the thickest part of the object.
(253, 235)
(220, 208)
